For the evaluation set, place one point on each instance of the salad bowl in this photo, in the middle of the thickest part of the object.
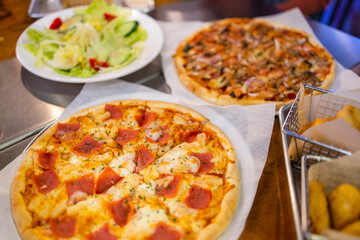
(150, 49)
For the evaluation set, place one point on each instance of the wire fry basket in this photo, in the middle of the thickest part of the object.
(308, 160)
(328, 106)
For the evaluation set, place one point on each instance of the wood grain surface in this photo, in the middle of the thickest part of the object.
(12, 25)
(270, 216)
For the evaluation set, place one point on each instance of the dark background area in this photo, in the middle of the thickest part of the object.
(343, 15)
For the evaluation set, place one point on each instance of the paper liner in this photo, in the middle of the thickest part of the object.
(334, 173)
(337, 133)
(248, 128)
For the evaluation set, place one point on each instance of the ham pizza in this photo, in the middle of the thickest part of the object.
(128, 169)
(251, 61)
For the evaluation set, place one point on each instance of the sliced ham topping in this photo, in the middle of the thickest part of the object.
(46, 181)
(114, 110)
(47, 159)
(205, 164)
(106, 180)
(121, 210)
(191, 136)
(66, 131)
(125, 135)
(169, 187)
(157, 135)
(79, 188)
(146, 119)
(63, 227)
(198, 198)
(102, 234)
(143, 158)
(87, 146)
(165, 232)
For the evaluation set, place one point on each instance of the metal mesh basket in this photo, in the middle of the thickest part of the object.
(328, 106)
(308, 160)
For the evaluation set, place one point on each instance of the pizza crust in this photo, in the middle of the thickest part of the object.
(229, 202)
(217, 98)
(23, 217)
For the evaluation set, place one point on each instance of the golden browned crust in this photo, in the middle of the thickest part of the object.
(23, 217)
(229, 203)
(20, 213)
(217, 98)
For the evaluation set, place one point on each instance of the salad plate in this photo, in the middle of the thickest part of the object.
(152, 46)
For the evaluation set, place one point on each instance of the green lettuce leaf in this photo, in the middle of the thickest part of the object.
(78, 72)
(34, 50)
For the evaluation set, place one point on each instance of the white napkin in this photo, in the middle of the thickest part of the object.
(249, 129)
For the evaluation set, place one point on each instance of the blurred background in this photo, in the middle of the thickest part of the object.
(341, 14)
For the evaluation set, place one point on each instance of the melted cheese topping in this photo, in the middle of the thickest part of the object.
(143, 223)
(177, 160)
(123, 162)
(171, 157)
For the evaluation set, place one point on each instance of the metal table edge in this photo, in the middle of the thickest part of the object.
(294, 203)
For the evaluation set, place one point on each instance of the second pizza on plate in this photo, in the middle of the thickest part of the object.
(250, 61)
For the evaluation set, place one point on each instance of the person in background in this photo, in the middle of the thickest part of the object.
(308, 7)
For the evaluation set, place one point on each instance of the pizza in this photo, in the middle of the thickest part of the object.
(128, 169)
(250, 61)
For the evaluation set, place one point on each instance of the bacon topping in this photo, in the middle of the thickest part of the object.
(66, 131)
(126, 135)
(121, 210)
(47, 159)
(102, 234)
(114, 110)
(143, 158)
(87, 146)
(63, 227)
(106, 180)
(168, 189)
(146, 119)
(165, 232)
(191, 136)
(157, 135)
(46, 181)
(198, 198)
(80, 187)
(205, 164)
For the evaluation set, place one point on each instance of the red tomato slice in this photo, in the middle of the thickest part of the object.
(97, 65)
(109, 16)
(55, 24)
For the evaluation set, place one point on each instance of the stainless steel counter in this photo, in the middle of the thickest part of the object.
(29, 103)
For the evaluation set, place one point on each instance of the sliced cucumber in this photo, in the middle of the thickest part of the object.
(137, 36)
(127, 28)
(120, 55)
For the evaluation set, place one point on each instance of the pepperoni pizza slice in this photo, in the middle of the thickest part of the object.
(128, 169)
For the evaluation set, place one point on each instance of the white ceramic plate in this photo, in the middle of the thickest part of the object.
(153, 45)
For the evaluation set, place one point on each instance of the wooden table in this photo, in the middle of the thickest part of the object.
(271, 214)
